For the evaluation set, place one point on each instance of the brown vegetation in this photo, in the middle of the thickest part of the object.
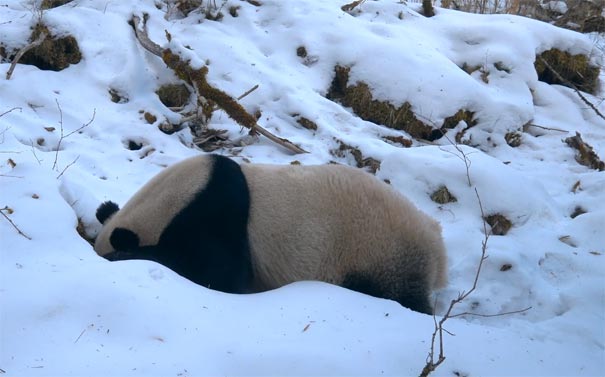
(53, 54)
(585, 154)
(561, 68)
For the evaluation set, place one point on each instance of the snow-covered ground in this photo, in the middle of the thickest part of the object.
(66, 311)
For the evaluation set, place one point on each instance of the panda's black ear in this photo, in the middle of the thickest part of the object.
(123, 239)
(106, 210)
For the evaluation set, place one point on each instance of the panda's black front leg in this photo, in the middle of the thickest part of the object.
(145, 253)
(217, 263)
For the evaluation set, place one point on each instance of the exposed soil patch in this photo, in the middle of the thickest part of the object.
(362, 162)
(174, 95)
(442, 196)
(53, 54)
(500, 224)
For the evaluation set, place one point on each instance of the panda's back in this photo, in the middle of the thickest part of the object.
(318, 220)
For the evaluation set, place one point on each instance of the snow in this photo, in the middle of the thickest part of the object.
(66, 311)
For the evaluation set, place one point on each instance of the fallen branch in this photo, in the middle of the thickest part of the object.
(544, 128)
(12, 223)
(193, 117)
(22, 52)
(571, 85)
(79, 336)
(248, 92)
(197, 78)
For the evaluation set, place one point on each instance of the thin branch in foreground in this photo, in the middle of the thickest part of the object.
(491, 315)
(462, 156)
(63, 136)
(22, 52)
(31, 143)
(94, 114)
(12, 223)
(431, 364)
(68, 166)
(197, 78)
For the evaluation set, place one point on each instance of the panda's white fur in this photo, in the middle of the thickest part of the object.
(317, 222)
(331, 223)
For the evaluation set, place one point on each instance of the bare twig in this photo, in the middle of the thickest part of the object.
(248, 92)
(94, 114)
(571, 85)
(2, 134)
(197, 78)
(68, 166)
(31, 142)
(463, 157)
(79, 336)
(12, 223)
(431, 364)
(61, 137)
(491, 315)
(546, 128)
(22, 52)
(10, 111)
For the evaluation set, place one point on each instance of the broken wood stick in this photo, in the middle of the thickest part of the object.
(22, 52)
(197, 78)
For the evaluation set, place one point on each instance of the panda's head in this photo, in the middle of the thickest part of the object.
(170, 204)
(120, 238)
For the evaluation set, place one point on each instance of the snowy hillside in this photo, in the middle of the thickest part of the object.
(72, 138)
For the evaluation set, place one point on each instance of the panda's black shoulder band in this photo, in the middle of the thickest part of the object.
(106, 210)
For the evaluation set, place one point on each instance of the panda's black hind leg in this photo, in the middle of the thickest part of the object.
(418, 302)
(412, 293)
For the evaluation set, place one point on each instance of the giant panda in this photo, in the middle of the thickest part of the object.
(251, 228)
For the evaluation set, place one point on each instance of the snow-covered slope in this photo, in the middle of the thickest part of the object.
(66, 311)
